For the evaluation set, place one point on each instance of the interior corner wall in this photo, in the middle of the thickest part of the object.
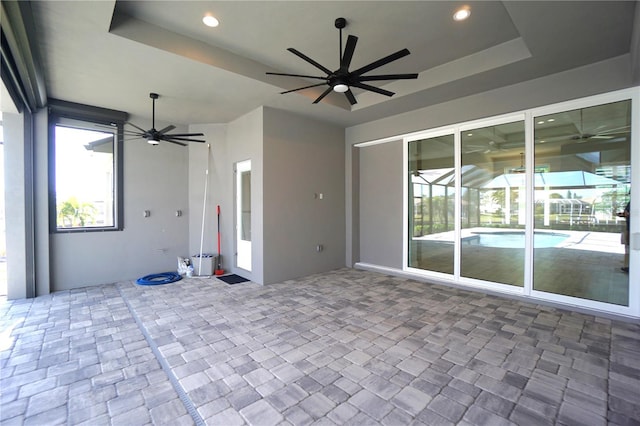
(304, 196)
(155, 179)
(601, 77)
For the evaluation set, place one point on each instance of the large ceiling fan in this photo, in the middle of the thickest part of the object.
(341, 80)
(154, 136)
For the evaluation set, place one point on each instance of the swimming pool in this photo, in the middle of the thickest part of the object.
(514, 239)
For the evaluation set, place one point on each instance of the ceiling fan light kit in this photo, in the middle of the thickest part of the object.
(342, 80)
(154, 137)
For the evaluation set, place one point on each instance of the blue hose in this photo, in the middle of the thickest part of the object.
(156, 279)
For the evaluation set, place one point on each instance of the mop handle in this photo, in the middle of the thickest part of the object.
(218, 236)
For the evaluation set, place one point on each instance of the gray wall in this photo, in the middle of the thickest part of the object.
(230, 143)
(155, 179)
(292, 158)
(245, 142)
(380, 196)
(15, 207)
(593, 79)
(218, 184)
(302, 158)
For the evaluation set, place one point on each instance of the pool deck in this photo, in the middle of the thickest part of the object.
(607, 242)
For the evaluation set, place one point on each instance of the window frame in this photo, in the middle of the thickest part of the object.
(75, 115)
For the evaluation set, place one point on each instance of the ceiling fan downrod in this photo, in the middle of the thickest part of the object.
(340, 24)
(153, 96)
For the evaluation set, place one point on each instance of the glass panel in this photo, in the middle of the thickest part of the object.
(431, 204)
(84, 165)
(582, 181)
(245, 178)
(493, 204)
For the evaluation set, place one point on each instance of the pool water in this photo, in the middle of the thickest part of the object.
(516, 239)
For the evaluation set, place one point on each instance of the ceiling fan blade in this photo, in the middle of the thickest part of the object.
(348, 52)
(387, 77)
(296, 75)
(373, 89)
(167, 129)
(308, 59)
(380, 62)
(184, 134)
(171, 138)
(139, 128)
(177, 143)
(302, 88)
(350, 97)
(325, 93)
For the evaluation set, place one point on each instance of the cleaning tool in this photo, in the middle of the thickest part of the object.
(204, 211)
(219, 270)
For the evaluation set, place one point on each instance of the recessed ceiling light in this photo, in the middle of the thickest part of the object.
(551, 120)
(461, 14)
(541, 122)
(210, 21)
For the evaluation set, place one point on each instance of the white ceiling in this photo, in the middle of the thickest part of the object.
(112, 54)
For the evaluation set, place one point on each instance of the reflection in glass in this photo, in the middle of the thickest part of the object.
(493, 204)
(84, 182)
(431, 204)
(582, 178)
(245, 228)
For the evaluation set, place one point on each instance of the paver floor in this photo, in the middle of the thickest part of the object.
(345, 347)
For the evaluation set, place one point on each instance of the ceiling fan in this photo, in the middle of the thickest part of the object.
(600, 132)
(605, 134)
(154, 136)
(341, 80)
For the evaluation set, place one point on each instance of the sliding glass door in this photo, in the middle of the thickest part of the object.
(531, 203)
(493, 203)
(582, 180)
(432, 204)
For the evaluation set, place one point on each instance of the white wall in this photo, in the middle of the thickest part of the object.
(155, 179)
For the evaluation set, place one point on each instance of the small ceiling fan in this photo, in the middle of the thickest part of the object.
(341, 80)
(154, 136)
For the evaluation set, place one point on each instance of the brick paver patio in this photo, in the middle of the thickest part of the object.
(346, 347)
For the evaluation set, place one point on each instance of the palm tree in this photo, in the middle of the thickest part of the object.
(72, 213)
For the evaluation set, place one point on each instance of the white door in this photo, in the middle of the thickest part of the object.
(243, 215)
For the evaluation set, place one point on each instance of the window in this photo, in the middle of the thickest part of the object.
(85, 171)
